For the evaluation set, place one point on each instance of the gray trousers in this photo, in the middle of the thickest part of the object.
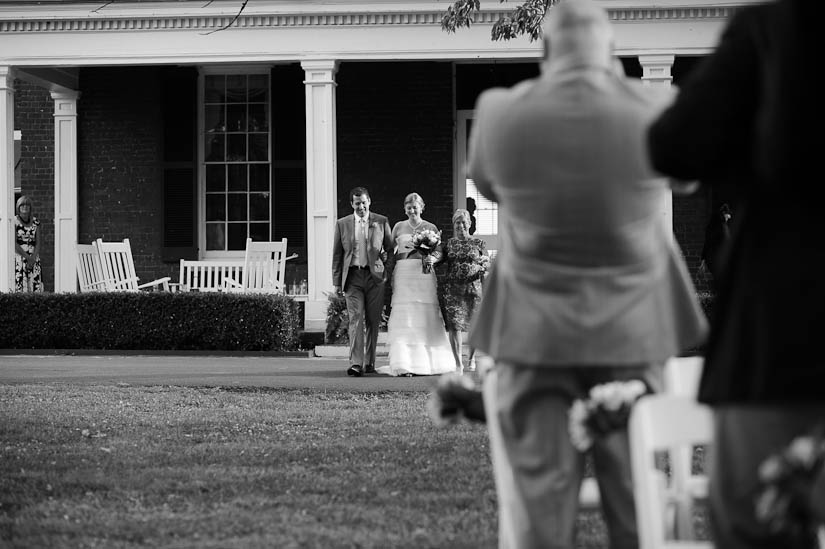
(537, 470)
(744, 436)
(365, 302)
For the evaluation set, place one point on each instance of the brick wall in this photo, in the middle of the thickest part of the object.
(395, 136)
(120, 141)
(34, 116)
(690, 214)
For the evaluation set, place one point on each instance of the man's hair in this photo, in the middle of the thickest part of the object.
(576, 27)
(358, 191)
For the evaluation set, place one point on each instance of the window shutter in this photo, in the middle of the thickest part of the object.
(179, 98)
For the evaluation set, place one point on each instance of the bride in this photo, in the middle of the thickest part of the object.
(415, 331)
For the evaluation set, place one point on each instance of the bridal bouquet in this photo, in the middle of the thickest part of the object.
(607, 409)
(425, 242)
(785, 502)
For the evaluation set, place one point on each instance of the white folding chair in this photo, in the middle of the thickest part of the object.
(119, 268)
(682, 375)
(665, 423)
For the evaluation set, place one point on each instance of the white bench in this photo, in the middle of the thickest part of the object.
(208, 275)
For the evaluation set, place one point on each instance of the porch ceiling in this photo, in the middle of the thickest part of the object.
(67, 34)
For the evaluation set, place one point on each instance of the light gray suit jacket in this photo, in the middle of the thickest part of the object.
(587, 272)
(379, 237)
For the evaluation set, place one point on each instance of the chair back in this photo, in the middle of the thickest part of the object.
(664, 422)
(264, 266)
(117, 265)
(89, 271)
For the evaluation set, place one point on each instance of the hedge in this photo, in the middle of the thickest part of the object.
(150, 321)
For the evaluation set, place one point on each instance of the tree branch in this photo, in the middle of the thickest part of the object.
(232, 22)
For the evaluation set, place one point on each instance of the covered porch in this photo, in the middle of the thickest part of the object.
(369, 93)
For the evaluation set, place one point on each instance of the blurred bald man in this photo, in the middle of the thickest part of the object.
(586, 273)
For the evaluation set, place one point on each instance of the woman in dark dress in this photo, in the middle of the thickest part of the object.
(467, 260)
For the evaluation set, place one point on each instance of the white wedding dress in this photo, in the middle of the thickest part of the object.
(417, 338)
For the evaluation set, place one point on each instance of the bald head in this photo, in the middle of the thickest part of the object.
(577, 32)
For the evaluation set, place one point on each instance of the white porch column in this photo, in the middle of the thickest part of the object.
(656, 72)
(6, 179)
(322, 187)
(65, 190)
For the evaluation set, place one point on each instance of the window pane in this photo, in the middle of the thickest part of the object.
(215, 236)
(237, 236)
(259, 206)
(213, 89)
(236, 118)
(237, 207)
(236, 147)
(259, 232)
(259, 147)
(237, 177)
(216, 178)
(258, 84)
(214, 121)
(214, 146)
(216, 207)
(236, 88)
(259, 177)
(258, 120)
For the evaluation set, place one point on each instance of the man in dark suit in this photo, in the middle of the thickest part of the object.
(745, 116)
(362, 245)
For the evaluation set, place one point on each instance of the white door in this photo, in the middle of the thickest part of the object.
(486, 212)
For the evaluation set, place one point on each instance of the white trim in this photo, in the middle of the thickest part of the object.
(266, 15)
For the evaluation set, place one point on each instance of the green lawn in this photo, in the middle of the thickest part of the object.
(121, 466)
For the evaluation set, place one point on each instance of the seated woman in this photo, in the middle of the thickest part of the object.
(415, 331)
(467, 261)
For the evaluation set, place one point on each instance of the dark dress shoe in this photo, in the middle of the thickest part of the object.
(355, 370)
(370, 369)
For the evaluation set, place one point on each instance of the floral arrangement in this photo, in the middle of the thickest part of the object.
(469, 272)
(785, 502)
(607, 409)
(455, 396)
(425, 242)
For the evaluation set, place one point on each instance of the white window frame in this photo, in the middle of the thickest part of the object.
(203, 72)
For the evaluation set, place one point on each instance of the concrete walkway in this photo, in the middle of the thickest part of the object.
(198, 371)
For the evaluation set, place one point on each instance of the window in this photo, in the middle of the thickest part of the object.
(236, 176)
(467, 196)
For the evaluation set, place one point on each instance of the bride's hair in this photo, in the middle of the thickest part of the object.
(414, 197)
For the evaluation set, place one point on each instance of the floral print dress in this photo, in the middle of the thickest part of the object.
(467, 261)
(26, 236)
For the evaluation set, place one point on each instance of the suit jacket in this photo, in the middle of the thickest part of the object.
(379, 237)
(587, 272)
(740, 118)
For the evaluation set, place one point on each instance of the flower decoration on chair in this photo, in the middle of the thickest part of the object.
(425, 242)
(606, 410)
(785, 502)
(455, 397)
